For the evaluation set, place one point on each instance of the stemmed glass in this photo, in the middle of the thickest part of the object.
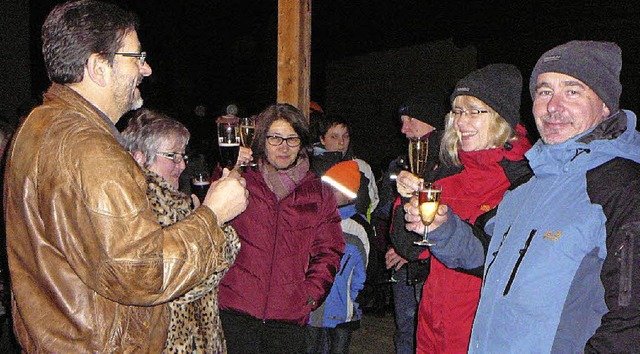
(429, 200)
(247, 131)
(228, 142)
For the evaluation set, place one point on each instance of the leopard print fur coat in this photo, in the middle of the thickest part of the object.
(195, 321)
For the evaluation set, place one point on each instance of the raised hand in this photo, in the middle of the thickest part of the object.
(407, 183)
(228, 196)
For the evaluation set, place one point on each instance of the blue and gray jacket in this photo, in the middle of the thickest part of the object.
(562, 254)
(341, 306)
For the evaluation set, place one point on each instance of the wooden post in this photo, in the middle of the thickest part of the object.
(294, 53)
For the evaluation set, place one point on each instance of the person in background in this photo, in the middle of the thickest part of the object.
(482, 156)
(291, 242)
(332, 324)
(333, 142)
(560, 272)
(91, 268)
(422, 117)
(334, 135)
(158, 145)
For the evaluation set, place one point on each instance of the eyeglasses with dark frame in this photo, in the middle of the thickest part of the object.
(142, 56)
(472, 112)
(292, 141)
(175, 157)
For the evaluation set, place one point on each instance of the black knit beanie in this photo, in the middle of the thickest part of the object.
(597, 64)
(430, 108)
(497, 85)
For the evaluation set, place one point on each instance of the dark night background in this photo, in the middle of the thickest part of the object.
(220, 52)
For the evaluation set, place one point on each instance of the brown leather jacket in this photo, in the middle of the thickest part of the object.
(90, 267)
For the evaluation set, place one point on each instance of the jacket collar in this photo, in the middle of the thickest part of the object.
(614, 137)
(74, 99)
(609, 129)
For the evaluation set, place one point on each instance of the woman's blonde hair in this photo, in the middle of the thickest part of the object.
(499, 129)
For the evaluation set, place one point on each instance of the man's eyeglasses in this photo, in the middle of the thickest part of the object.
(292, 141)
(142, 56)
(176, 157)
(474, 113)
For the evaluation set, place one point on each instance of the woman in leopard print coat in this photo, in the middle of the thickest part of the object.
(157, 143)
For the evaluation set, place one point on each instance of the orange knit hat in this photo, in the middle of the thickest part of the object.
(345, 177)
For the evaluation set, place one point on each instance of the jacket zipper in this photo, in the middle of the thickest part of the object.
(345, 265)
(522, 252)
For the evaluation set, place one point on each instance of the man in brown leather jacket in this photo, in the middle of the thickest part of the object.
(90, 267)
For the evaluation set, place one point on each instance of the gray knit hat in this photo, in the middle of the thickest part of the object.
(597, 64)
(497, 85)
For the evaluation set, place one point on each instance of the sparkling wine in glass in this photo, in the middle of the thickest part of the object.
(228, 142)
(247, 131)
(429, 200)
(418, 149)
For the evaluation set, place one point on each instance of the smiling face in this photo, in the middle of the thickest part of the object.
(127, 75)
(164, 166)
(565, 107)
(282, 156)
(337, 138)
(474, 131)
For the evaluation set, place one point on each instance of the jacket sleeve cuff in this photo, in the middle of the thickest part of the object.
(207, 214)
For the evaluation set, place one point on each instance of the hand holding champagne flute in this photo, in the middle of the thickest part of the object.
(429, 200)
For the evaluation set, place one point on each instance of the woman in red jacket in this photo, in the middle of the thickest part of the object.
(291, 242)
(482, 156)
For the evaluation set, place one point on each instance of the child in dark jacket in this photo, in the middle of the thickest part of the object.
(332, 324)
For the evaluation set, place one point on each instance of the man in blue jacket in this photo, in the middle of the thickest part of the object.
(562, 270)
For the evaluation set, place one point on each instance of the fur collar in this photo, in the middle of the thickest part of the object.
(168, 204)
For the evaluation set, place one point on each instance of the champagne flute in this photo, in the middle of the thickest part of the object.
(247, 131)
(429, 200)
(228, 142)
(418, 149)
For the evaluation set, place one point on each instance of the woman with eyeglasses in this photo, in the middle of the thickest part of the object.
(158, 144)
(481, 157)
(291, 242)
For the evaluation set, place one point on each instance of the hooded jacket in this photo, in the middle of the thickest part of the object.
(90, 265)
(561, 272)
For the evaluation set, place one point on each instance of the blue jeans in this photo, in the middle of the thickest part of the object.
(405, 301)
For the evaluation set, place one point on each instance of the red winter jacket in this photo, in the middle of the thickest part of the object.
(450, 298)
(290, 251)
